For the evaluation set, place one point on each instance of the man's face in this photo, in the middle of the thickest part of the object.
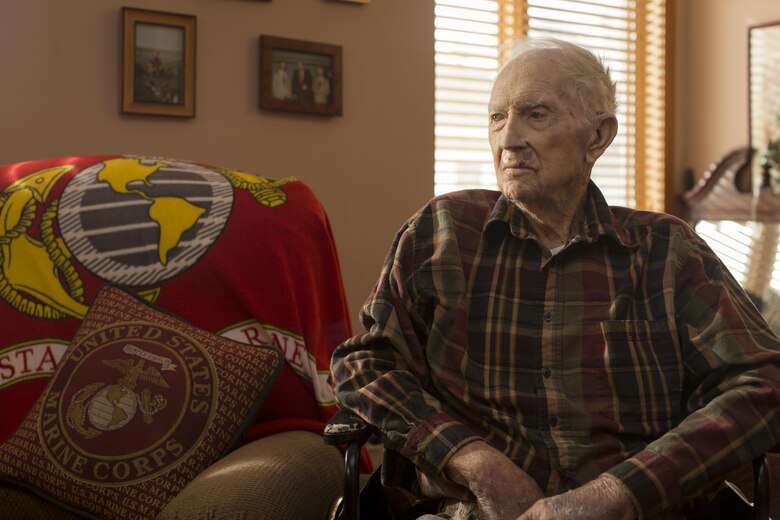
(538, 135)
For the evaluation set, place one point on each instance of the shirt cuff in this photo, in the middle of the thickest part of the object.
(430, 444)
(651, 480)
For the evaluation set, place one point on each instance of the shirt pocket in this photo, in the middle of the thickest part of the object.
(643, 369)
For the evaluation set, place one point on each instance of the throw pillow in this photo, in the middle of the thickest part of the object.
(140, 403)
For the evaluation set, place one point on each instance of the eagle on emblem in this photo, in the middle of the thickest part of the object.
(111, 406)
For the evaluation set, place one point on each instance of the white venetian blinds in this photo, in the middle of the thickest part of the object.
(466, 56)
(628, 34)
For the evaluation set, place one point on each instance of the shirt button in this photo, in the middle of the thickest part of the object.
(546, 372)
(553, 421)
(548, 317)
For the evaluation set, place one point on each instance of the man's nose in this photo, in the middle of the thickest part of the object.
(513, 134)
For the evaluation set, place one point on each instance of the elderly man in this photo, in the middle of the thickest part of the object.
(539, 354)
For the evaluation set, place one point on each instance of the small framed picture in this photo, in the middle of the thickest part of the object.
(158, 63)
(300, 76)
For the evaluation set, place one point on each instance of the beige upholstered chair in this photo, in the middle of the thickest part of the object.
(284, 476)
(289, 475)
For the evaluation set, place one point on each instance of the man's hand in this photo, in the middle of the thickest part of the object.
(502, 489)
(596, 500)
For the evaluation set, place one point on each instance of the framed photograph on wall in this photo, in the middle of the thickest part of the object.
(300, 76)
(158, 63)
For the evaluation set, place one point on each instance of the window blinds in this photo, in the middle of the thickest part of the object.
(466, 54)
(629, 35)
(749, 250)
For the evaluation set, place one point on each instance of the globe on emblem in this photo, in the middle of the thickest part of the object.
(112, 407)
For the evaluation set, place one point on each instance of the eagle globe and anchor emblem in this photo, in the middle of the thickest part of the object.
(133, 397)
(111, 406)
(130, 220)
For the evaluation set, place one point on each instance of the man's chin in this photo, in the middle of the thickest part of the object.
(518, 193)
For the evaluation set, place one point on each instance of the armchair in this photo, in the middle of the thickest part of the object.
(244, 257)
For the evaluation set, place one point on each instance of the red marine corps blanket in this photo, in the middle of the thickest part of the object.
(248, 258)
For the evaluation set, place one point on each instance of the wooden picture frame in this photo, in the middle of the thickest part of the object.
(158, 63)
(300, 76)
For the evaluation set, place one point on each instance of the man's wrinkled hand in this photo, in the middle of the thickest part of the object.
(502, 489)
(596, 500)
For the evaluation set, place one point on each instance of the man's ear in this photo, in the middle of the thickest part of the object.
(605, 131)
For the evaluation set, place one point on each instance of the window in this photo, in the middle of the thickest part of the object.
(749, 250)
(629, 35)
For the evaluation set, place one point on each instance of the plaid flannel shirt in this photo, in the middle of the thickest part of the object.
(631, 352)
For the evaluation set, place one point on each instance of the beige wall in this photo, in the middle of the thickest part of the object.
(59, 77)
(712, 86)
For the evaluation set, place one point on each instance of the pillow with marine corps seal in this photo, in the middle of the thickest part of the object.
(140, 403)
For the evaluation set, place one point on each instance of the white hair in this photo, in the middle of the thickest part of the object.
(590, 85)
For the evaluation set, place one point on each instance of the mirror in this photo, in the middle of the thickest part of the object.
(735, 207)
(764, 78)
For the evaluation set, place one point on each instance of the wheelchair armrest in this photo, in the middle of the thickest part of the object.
(762, 486)
(347, 429)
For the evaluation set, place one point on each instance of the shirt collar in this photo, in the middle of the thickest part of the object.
(599, 220)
